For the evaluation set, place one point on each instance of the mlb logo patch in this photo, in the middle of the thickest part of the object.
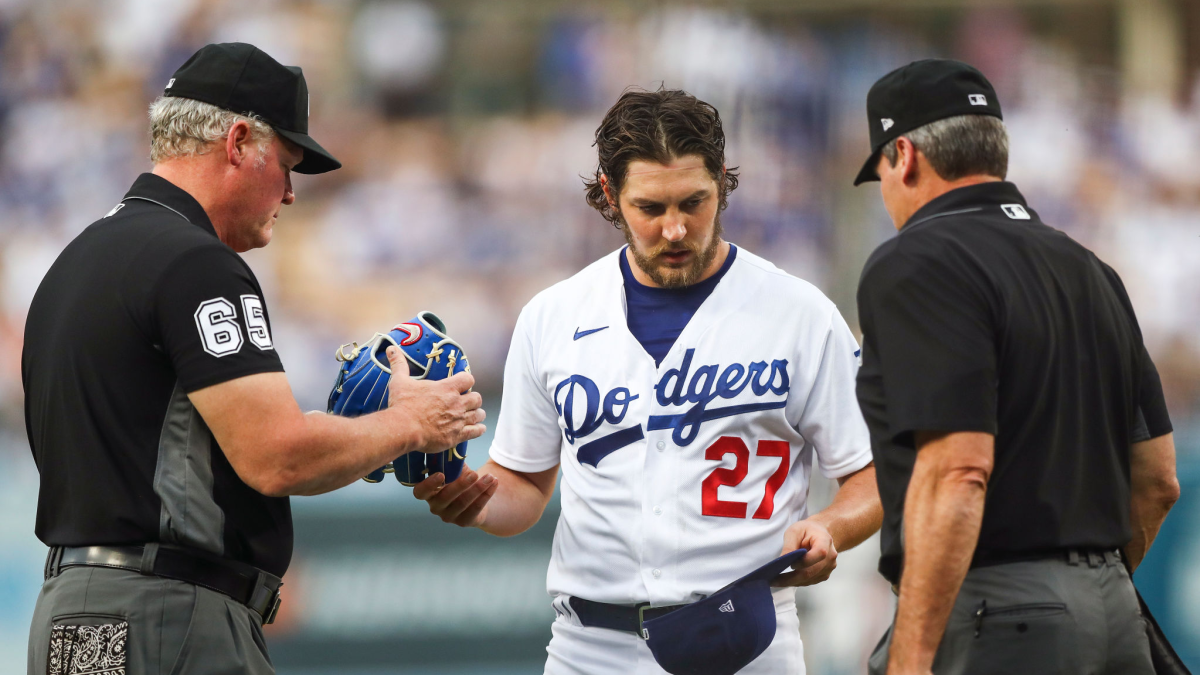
(887, 123)
(977, 99)
(170, 83)
(1015, 211)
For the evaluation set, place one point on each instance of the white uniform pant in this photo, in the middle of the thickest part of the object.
(575, 649)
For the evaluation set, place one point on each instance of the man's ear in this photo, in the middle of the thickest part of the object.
(237, 143)
(612, 202)
(906, 160)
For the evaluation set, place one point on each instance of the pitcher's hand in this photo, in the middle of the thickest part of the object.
(462, 502)
(818, 563)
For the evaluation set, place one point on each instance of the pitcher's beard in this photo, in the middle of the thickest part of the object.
(674, 277)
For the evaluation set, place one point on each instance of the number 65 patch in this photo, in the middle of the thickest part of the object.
(221, 334)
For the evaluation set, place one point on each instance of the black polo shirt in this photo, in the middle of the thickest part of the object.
(142, 308)
(978, 317)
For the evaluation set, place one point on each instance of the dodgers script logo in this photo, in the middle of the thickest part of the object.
(615, 405)
(583, 410)
(705, 386)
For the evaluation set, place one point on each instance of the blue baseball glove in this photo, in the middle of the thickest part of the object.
(362, 387)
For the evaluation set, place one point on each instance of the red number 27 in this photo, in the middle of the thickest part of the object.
(711, 505)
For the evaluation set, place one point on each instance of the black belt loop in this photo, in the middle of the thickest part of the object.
(149, 555)
(53, 560)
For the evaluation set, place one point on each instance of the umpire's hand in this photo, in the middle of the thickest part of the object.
(461, 502)
(444, 413)
(818, 563)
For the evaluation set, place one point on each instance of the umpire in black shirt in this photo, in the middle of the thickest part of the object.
(163, 427)
(1022, 444)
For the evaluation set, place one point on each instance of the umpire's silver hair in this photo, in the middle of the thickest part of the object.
(965, 145)
(185, 127)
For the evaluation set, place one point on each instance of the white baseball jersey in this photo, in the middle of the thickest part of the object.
(681, 477)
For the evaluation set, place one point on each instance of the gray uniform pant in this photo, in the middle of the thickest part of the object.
(1044, 616)
(114, 621)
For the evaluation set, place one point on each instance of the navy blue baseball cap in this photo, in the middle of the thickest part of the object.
(722, 633)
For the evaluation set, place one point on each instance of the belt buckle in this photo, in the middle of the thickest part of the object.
(274, 609)
(642, 632)
(271, 607)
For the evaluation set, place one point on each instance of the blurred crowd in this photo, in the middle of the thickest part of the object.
(465, 128)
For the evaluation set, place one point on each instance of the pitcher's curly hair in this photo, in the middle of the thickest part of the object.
(656, 126)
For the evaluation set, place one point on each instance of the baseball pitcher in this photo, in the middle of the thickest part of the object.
(685, 387)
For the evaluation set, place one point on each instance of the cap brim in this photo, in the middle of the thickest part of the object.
(776, 567)
(769, 571)
(869, 171)
(316, 159)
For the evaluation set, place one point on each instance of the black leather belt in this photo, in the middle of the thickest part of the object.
(249, 585)
(1091, 557)
(1072, 556)
(626, 618)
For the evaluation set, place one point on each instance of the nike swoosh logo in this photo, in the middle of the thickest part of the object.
(585, 333)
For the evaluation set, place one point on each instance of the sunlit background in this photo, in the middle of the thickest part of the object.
(464, 127)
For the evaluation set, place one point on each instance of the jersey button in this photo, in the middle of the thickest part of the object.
(657, 573)
(661, 446)
(658, 510)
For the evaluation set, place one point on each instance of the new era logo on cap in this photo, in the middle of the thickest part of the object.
(728, 606)
(977, 99)
(887, 123)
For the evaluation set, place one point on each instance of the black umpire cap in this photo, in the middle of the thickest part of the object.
(925, 91)
(243, 79)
